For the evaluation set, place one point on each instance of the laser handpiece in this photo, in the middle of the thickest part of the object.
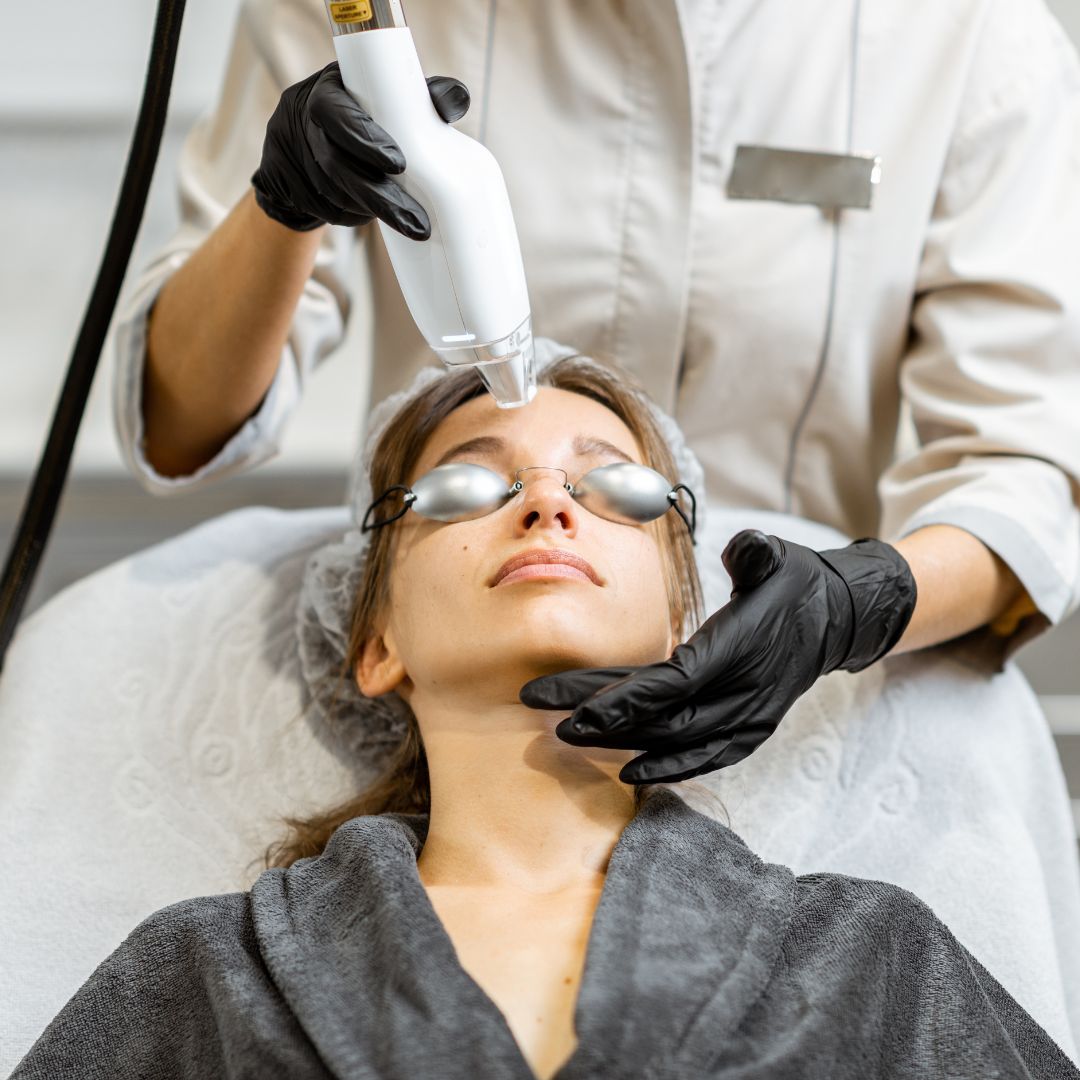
(465, 285)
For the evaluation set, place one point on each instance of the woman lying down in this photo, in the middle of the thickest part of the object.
(499, 904)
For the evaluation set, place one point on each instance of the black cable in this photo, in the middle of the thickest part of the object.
(39, 512)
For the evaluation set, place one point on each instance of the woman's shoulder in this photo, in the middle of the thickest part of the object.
(884, 939)
(838, 905)
(822, 890)
(195, 930)
(875, 930)
(195, 913)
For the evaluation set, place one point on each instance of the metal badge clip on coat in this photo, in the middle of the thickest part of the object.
(831, 181)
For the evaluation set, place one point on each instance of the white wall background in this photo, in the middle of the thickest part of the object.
(68, 101)
(89, 62)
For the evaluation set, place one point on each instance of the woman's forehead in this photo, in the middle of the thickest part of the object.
(554, 422)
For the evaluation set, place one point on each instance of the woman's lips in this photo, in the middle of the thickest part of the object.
(545, 571)
(546, 562)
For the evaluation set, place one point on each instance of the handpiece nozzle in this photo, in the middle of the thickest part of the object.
(506, 367)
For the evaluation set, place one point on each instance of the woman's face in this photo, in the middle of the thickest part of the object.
(453, 633)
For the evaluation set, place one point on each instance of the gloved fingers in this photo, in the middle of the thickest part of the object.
(752, 557)
(398, 209)
(686, 726)
(450, 97)
(709, 662)
(350, 158)
(746, 739)
(625, 691)
(332, 110)
(622, 705)
(691, 723)
(716, 653)
(383, 199)
(349, 190)
(333, 175)
(707, 756)
(567, 689)
(339, 203)
(688, 761)
(625, 738)
(351, 220)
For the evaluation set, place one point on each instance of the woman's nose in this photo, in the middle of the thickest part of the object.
(545, 503)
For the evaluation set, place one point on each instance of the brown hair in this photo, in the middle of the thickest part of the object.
(403, 786)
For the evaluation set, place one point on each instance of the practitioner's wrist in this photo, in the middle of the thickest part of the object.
(881, 593)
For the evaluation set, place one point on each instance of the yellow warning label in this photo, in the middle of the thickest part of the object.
(351, 11)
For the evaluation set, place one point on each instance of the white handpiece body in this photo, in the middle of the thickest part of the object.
(464, 286)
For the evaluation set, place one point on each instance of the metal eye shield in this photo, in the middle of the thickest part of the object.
(625, 492)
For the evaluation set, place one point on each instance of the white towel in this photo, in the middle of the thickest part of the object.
(151, 738)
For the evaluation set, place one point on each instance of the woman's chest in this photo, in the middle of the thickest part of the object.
(528, 957)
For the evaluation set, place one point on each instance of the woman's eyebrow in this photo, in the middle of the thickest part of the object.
(492, 445)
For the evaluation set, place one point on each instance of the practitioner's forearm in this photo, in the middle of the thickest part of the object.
(961, 584)
(216, 334)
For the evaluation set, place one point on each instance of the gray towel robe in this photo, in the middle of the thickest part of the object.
(703, 961)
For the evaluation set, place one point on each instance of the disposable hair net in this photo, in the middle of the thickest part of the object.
(372, 728)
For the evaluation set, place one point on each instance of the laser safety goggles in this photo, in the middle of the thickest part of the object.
(626, 492)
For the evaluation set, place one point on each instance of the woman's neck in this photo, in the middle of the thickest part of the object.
(513, 806)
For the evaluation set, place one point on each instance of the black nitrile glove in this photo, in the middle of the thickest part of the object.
(326, 161)
(794, 614)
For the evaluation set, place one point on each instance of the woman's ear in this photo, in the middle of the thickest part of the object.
(379, 669)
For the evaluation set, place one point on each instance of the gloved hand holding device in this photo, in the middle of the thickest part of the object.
(794, 614)
(325, 160)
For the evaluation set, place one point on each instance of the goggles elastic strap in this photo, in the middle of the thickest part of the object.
(692, 523)
(409, 499)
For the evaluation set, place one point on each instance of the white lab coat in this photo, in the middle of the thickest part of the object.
(616, 126)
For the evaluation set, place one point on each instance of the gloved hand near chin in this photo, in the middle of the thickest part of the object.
(794, 614)
(325, 160)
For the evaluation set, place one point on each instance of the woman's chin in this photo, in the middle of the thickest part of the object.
(544, 638)
(585, 650)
